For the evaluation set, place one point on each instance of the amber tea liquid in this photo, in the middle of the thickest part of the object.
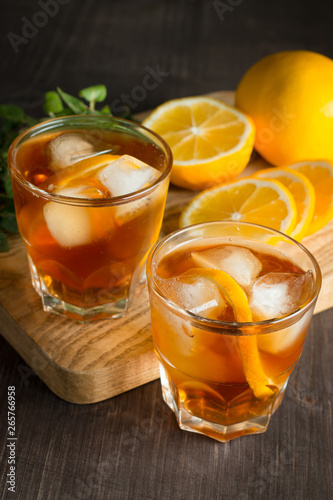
(86, 254)
(204, 370)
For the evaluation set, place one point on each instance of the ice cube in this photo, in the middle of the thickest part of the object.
(276, 294)
(84, 191)
(74, 192)
(240, 263)
(72, 225)
(68, 224)
(68, 148)
(282, 340)
(197, 295)
(126, 175)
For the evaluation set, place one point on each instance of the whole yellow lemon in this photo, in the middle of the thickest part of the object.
(289, 96)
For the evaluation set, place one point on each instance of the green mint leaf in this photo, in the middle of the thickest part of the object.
(9, 207)
(65, 112)
(75, 104)
(4, 246)
(4, 196)
(106, 110)
(7, 183)
(52, 103)
(11, 113)
(97, 93)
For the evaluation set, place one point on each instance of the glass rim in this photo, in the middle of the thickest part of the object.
(222, 327)
(68, 200)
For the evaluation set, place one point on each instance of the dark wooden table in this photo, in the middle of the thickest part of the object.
(130, 447)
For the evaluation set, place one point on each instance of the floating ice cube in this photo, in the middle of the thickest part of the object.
(85, 191)
(276, 294)
(238, 262)
(282, 340)
(68, 224)
(74, 192)
(195, 294)
(68, 148)
(72, 225)
(127, 175)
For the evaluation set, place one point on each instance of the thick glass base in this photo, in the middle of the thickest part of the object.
(222, 433)
(188, 421)
(112, 308)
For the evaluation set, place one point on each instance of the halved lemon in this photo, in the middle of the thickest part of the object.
(302, 191)
(236, 297)
(289, 95)
(211, 142)
(320, 174)
(258, 201)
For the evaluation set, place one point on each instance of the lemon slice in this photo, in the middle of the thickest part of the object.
(302, 191)
(211, 142)
(320, 174)
(259, 201)
(236, 297)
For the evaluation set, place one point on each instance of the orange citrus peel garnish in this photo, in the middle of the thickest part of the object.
(236, 297)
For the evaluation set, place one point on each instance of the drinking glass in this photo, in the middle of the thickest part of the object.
(225, 378)
(87, 242)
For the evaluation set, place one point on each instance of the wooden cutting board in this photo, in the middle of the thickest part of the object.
(86, 363)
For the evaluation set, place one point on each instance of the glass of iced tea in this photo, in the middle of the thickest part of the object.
(89, 195)
(231, 304)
